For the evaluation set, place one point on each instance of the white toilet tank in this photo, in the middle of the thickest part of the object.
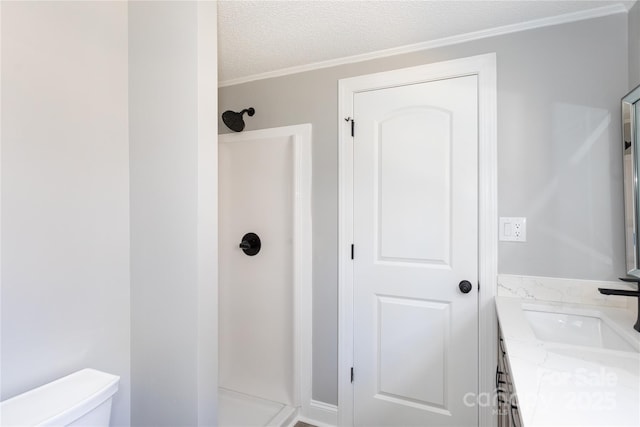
(80, 399)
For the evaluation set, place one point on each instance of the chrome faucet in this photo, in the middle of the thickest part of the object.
(626, 293)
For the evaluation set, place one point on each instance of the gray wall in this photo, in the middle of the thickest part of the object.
(109, 215)
(559, 161)
(65, 194)
(163, 151)
(173, 167)
(634, 46)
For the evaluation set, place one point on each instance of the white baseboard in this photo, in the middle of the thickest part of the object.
(287, 417)
(319, 414)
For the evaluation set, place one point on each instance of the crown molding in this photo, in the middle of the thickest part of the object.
(446, 41)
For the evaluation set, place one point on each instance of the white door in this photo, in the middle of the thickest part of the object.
(416, 238)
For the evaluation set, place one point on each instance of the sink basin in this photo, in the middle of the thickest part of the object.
(575, 329)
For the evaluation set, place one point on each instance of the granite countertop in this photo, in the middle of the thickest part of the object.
(561, 384)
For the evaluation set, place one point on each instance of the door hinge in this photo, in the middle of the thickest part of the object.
(478, 286)
(352, 374)
(349, 119)
(352, 251)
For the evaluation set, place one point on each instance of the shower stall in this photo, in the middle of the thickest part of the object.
(264, 276)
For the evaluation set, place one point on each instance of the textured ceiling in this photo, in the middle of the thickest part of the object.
(256, 37)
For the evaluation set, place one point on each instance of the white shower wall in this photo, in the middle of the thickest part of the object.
(257, 309)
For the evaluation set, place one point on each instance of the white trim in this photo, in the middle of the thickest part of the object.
(286, 415)
(302, 250)
(303, 261)
(207, 216)
(320, 414)
(310, 421)
(487, 233)
(445, 41)
(484, 66)
(1, 353)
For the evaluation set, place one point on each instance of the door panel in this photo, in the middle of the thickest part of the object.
(414, 183)
(416, 238)
(414, 375)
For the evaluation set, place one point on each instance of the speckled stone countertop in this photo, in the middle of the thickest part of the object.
(561, 384)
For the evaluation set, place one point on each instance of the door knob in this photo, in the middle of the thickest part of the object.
(465, 286)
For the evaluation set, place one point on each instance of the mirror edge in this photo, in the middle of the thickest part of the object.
(629, 110)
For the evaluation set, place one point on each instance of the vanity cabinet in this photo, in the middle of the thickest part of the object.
(508, 414)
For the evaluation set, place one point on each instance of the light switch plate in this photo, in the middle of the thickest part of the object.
(513, 229)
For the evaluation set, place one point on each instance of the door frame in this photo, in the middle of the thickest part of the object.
(483, 66)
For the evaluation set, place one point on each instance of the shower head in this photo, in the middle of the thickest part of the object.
(234, 121)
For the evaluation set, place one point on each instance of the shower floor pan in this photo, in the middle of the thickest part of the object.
(242, 410)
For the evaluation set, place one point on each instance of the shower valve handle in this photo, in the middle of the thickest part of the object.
(250, 244)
